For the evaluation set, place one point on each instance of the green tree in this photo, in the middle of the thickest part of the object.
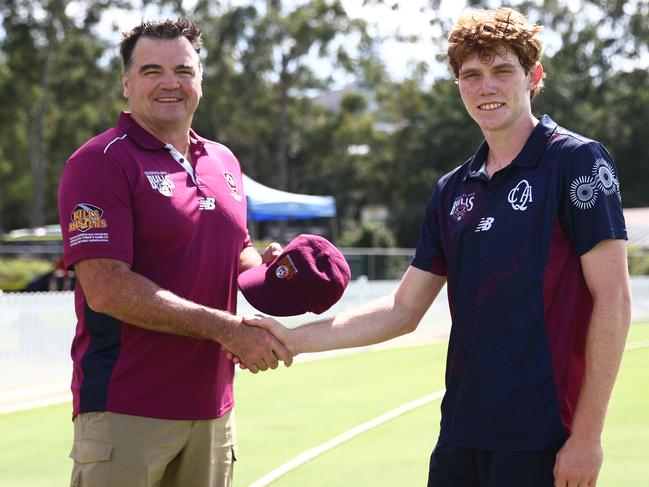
(54, 95)
(388, 143)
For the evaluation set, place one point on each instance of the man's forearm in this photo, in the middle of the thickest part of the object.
(580, 459)
(605, 272)
(134, 299)
(373, 323)
(604, 348)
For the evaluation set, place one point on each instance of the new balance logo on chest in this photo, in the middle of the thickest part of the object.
(485, 224)
(207, 203)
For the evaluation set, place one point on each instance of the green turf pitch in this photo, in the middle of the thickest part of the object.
(282, 413)
(310, 403)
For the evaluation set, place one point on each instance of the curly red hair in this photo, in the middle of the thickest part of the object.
(491, 32)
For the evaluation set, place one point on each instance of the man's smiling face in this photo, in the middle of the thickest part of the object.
(163, 83)
(497, 93)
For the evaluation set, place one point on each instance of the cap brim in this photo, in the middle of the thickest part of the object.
(263, 297)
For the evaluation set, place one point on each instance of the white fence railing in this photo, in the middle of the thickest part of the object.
(36, 329)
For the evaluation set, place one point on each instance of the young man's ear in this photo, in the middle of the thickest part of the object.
(535, 76)
(125, 85)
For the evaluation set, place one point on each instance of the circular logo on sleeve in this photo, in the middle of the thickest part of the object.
(605, 177)
(583, 192)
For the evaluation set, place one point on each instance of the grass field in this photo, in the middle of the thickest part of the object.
(288, 411)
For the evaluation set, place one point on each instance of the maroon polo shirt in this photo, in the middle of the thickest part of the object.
(125, 195)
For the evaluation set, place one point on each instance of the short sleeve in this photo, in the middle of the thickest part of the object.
(95, 209)
(429, 255)
(591, 204)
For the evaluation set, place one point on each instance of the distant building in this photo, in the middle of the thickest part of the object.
(332, 100)
(637, 224)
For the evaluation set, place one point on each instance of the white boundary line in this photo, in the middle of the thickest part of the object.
(344, 437)
(636, 345)
(304, 457)
(38, 395)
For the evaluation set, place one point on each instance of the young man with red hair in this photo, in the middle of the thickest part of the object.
(528, 234)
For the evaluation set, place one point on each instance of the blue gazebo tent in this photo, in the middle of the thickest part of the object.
(268, 204)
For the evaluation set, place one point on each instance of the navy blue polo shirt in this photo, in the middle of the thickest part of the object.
(510, 247)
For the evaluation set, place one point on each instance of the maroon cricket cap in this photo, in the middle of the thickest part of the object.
(309, 275)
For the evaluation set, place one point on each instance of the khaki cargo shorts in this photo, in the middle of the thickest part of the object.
(119, 450)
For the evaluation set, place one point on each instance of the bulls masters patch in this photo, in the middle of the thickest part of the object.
(87, 217)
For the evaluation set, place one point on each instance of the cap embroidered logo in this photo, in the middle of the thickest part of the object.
(286, 269)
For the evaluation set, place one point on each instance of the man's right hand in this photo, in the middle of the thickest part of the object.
(272, 326)
(256, 349)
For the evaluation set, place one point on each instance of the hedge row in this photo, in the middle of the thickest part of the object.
(17, 272)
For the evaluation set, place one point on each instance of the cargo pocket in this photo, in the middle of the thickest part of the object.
(92, 465)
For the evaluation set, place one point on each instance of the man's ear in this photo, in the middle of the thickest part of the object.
(535, 76)
(125, 85)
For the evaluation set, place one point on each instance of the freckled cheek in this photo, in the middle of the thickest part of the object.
(469, 89)
(466, 95)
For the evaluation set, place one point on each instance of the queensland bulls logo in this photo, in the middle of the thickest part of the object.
(160, 180)
(462, 205)
(166, 187)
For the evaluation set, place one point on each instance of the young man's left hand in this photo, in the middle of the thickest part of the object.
(578, 463)
(271, 252)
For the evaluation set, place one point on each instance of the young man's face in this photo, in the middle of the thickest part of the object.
(497, 94)
(163, 85)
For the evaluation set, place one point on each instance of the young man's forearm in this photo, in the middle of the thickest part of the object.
(376, 322)
(604, 349)
(380, 320)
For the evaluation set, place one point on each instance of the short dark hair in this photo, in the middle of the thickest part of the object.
(159, 29)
